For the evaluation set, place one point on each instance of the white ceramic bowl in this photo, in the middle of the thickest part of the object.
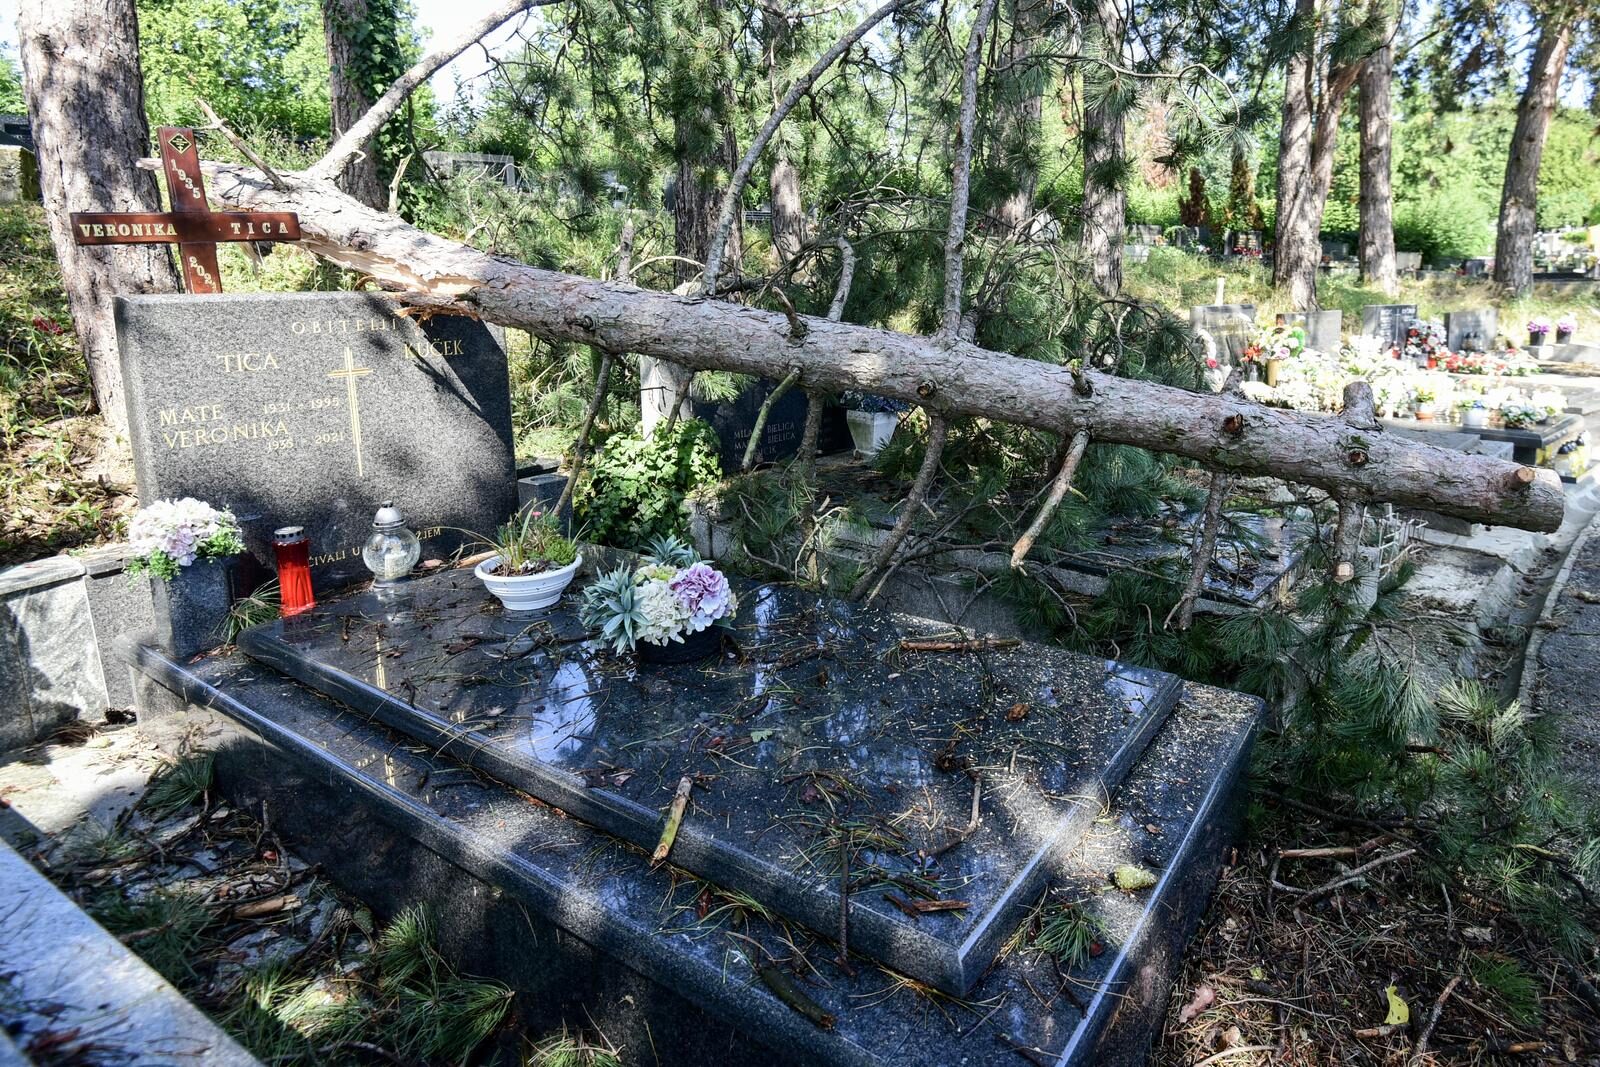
(527, 592)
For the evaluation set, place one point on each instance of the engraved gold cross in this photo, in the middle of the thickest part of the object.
(350, 373)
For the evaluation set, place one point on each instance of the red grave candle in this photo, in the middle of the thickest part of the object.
(293, 549)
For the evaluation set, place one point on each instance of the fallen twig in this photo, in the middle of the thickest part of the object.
(977, 644)
(783, 987)
(1355, 875)
(1433, 1019)
(669, 832)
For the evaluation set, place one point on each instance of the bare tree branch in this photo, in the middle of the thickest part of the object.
(1058, 491)
(741, 174)
(955, 244)
(884, 556)
(349, 143)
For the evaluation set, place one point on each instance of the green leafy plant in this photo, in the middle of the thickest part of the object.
(636, 488)
(672, 551)
(611, 605)
(530, 544)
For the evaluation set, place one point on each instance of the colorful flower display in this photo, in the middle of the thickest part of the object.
(169, 534)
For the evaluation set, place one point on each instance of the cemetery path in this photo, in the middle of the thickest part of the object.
(1565, 671)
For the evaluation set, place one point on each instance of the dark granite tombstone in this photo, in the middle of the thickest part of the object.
(1387, 322)
(780, 438)
(312, 409)
(1470, 331)
(1336, 249)
(1230, 325)
(1324, 329)
(823, 710)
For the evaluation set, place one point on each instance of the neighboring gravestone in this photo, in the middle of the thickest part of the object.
(1324, 329)
(1336, 249)
(1407, 261)
(1230, 325)
(311, 409)
(780, 438)
(1144, 233)
(1387, 322)
(10, 174)
(1470, 331)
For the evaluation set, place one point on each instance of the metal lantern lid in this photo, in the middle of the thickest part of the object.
(388, 517)
(288, 533)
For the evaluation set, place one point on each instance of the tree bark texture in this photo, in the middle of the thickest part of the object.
(349, 98)
(85, 97)
(1105, 200)
(1519, 196)
(1306, 143)
(1376, 239)
(950, 377)
(1022, 107)
(788, 210)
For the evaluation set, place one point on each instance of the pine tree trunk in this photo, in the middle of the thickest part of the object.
(1376, 242)
(86, 100)
(1519, 197)
(1021, 111)
(1296, 249)
(1105, 201)
(788, 211)
(349, 98)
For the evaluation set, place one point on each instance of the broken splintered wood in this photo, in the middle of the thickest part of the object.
(916, 909)
(669, 832)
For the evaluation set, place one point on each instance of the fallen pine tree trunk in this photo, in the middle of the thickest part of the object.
(1220, 432)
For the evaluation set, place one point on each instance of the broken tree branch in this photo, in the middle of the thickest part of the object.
(1058, 492)
(773, 397)
(1221, 432)
(1205, 546)
(937, 429)
(348, 145)
(602, 381)
(741, 175)
(669, 832)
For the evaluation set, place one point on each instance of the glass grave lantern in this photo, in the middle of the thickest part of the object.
(392, 550)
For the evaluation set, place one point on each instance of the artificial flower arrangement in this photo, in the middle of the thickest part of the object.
(671, 597)
(872, 402)
(169, 534)
(1424, 344)
(1281, 341)
(1566, 327)
(1516, 414)
(1537, 328)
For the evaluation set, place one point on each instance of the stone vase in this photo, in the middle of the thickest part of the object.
(871, 430)
(192, 609)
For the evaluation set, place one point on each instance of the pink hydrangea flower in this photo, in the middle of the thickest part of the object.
(704, 593)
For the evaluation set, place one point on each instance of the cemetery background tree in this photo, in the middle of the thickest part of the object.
(1108, 95)
(1375, 241)
(85, 98)
(11, 101)
(1519, 195)
(1325, 47)
(365, 44)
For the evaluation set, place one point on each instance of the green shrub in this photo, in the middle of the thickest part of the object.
(1449, 224)
(635, 489)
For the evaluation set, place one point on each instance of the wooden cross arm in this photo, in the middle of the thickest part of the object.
(161, 227)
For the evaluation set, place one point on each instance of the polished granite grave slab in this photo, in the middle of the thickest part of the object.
(674, 969)
(825, 757)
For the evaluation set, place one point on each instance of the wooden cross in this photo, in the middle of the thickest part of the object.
(191, 223)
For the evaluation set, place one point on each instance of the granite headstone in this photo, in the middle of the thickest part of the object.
(1470, 331)
(1230, 326)
(1387, 322)
(1324, 329)
(311, 409)
(735, 419)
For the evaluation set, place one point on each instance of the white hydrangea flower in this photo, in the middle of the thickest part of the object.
(665, 616)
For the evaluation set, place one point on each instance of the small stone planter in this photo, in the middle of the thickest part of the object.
(871, 430)
(527, 592)
(191, 610)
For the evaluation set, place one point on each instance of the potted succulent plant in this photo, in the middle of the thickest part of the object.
(1565, 329)
(188, 549)
(670, 609)
(872, 420)
(1537, 329)
(532, 564)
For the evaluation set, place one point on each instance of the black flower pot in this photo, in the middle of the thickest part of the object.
(691, 649)
(1535, 339)
(191, 610)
